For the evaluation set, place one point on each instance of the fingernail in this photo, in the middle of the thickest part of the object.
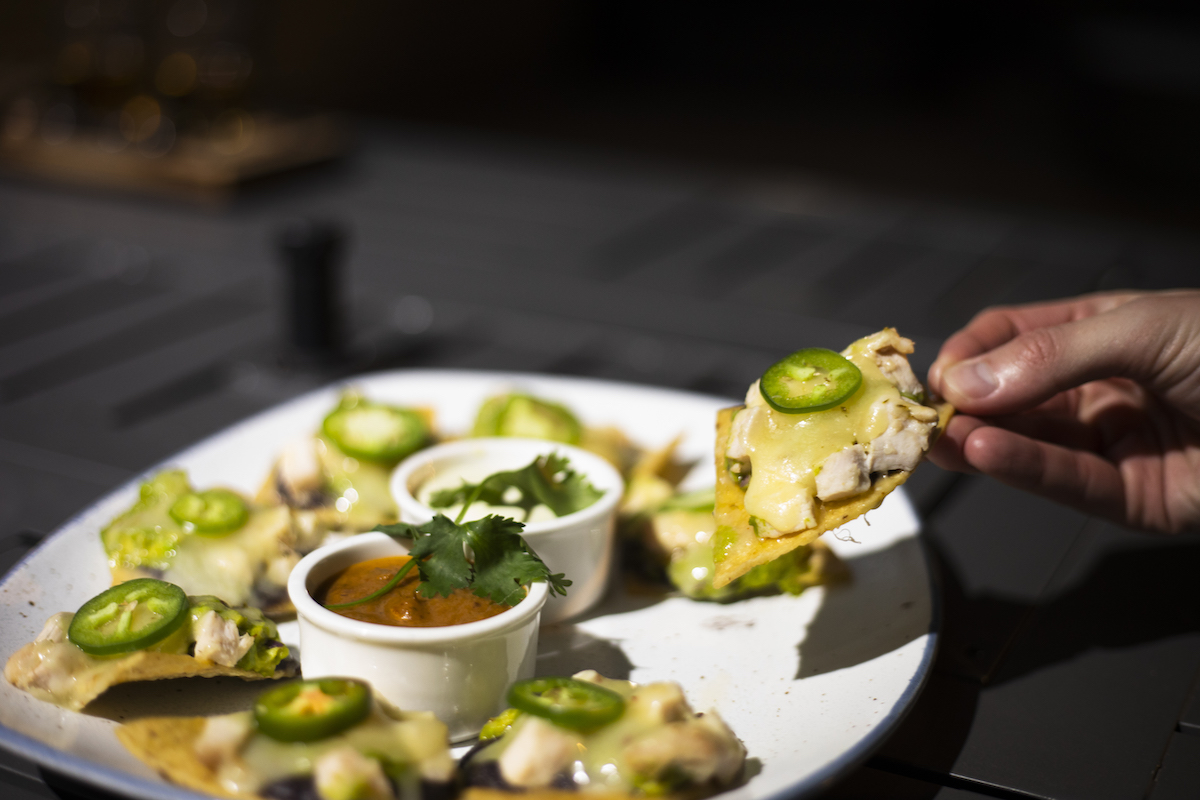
(973, 379)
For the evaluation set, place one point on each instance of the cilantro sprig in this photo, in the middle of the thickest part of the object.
(547, 481)
(503, 562)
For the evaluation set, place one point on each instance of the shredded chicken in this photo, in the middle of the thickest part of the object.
(300, 468)
(47, 670)
(222, 738)
(739, 431)
(218, 640)
(889, 350)
(702, 748)
(661, 702)
(537, 753)
(903, 443)
(844, 474)
(346, 774)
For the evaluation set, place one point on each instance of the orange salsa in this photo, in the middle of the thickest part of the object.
(401, 606)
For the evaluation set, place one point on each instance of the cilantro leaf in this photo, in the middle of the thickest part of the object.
(501, 564)
(504, 561)
(442, 557)
(548, 481)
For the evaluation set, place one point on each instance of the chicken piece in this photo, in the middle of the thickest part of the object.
(346, 774)
(298, 475)
(222, 738)
(905, 440)
(537, 753)
(739, 432)
(703, 748)
(889, 350)
(47, 670)
(844, 474)
(218, 640)
(55, 629)
(660, 702)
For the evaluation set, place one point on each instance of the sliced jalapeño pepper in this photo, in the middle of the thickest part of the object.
(213, 512)
(809, 380)
(529, 417)
(568, 703)
(129, 616)
(375, 432)
(307, 711)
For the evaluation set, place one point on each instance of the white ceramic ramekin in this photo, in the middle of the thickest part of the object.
(459, 672)
(579, 545)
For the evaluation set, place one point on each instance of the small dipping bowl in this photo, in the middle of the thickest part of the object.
(579, 545)
(459, 672)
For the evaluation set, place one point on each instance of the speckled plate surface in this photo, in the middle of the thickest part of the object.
(812, 684)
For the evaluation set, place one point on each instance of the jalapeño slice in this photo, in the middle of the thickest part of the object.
(375, 432)
(129, 616)
(307, 711)
(528, 417)
(808, 380)
(568, 703)
(213, 512)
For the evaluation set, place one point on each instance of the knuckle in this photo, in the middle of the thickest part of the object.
(1039, 348)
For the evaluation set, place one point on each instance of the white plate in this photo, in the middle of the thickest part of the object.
(811, 684)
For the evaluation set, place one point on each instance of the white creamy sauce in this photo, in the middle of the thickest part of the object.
(453, 474)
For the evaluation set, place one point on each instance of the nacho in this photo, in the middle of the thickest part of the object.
(867, 444)
(243, 564)
(215, 640)
(389, 754)
(336, 480)
(598, 735)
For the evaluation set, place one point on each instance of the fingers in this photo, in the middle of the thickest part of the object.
(994, 327)
(1036, 364)
(1079, 479)
(947, 451)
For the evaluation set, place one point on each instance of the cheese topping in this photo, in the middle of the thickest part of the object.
(787, 451)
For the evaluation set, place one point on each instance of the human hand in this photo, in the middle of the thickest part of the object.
(1092, 401)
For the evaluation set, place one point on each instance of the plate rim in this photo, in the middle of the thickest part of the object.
(133, 786)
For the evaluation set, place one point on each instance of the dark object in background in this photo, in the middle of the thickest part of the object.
(311, 250)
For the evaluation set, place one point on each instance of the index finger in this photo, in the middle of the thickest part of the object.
(994, 327)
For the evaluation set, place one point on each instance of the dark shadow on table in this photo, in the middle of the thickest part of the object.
(1132, 594)
(853, 626)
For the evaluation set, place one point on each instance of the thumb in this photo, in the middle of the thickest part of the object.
(1038, 364)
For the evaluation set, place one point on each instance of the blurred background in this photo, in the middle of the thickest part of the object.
(1086, 107)
(210, 206)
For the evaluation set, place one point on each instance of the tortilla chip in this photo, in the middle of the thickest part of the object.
(747, 549)
(92, 677)
(168, 745)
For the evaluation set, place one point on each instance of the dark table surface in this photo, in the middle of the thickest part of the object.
(130, 328)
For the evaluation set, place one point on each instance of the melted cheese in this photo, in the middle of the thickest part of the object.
(602, 760)
(230, 566)
(417, 739)
(786, 450)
